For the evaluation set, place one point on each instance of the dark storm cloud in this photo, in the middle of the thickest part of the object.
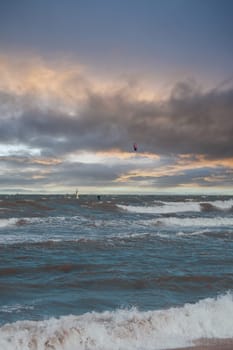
(88, 174)
(190, 121)
(101, 175)
(63, 174)
(54, 107)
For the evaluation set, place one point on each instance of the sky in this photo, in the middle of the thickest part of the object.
(83, 80)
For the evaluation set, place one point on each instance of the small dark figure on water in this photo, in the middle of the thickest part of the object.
(98, 197)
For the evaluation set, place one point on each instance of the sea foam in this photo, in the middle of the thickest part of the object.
(164, 208)
(125, 329)
(216, 222)
(178, 207)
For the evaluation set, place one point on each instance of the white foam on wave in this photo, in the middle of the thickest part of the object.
(224, 205)
(194, 233)
(125, 329)
(190, 225)
(8, 222)
(216, 222)
(177, 207)
(163, 208)
(15, 308)
(81, 229)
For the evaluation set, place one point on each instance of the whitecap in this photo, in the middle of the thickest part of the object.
(166, 208)
(125, 329)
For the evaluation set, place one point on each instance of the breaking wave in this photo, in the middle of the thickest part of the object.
(125, 329)
(179, 207)
(162, 208)
(87, 232)
(215, 222)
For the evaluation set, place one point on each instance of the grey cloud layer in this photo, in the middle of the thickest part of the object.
(190, 121)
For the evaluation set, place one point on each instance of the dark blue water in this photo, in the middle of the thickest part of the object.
(61, 256)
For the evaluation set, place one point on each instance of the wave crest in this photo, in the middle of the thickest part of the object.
(179, 207)
(125, 329)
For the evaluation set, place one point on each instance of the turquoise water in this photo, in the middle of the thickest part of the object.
(122, 257)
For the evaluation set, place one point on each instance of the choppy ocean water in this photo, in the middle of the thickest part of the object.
(125, 272)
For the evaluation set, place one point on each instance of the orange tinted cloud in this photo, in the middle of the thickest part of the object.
(62, 86)
(180, 165)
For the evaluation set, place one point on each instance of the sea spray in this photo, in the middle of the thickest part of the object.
(125, 329)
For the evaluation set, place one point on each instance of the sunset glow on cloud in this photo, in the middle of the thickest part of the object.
(66, 121)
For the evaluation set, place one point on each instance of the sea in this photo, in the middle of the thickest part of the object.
(116, 272)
